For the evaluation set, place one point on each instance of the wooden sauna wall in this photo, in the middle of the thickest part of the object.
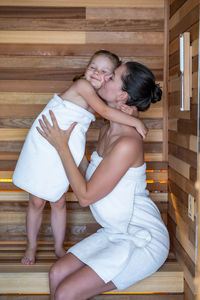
(43, 45)
(184, 16)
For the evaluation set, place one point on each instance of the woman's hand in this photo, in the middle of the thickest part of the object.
(53, 134)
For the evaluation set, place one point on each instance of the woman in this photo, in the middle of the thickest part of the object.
(133, 241)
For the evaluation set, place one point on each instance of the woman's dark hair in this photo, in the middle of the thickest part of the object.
(139, 83)
(113, 57)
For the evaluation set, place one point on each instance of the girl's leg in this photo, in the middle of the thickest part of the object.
(58, 223)
(33, 223)
(62, 269)
(80, 284)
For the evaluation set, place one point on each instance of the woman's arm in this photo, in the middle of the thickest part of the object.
(88, 93)
(83, 165)
(107, 174)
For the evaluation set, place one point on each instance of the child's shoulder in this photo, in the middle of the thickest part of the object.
(83, 84)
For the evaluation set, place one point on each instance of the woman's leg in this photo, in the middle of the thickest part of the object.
(62, 269)
(71, 279)
(58, 223)
(33, 223)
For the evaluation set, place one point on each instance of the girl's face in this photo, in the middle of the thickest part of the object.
(111, 91)
(99, 71)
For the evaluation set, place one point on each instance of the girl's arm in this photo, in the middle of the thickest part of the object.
(86, 91)
(130, 110)
(107, 174)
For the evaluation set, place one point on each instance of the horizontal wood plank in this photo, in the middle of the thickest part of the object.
(168, 279)
(44, 12)
(138, 13)
(50, 74)
(21, 196)
(83, 49)
(125, 37)
(186, 22)
(19, 134)
(156, 176)
(185, 184)
(68, 62)
(182, 12)
(181, 167)
(186, 155)
(43, 37)
(183, 140)
(57, 24)
(88, 3)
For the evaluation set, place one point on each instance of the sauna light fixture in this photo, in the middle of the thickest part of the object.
(186, 71)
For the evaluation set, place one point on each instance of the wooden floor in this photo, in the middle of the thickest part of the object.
(16, 278)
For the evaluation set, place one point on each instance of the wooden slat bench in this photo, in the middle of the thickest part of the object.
(16, 278)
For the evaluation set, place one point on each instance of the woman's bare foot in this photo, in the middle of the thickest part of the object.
(60, 252)
(29, 256)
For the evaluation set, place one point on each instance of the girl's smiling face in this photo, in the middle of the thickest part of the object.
(99, 71)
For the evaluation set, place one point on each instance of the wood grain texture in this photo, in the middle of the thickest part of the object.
(186, 22)
(57, 24)
(82, 50)
(50, 74)
(137, 13)
(188, 294)
(20, 196)
(168, 279)
(88, 3)
(124, 37)
(175, 5)
(186, 155)
(43, 44)
(42, 12)
(43, 37)
(67, 62)
(182, 12)
(185, 184)
(19, 134)
(189, 263)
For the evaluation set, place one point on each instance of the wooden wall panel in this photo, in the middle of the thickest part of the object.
(184, 16)
(43, 45)
(87, 3)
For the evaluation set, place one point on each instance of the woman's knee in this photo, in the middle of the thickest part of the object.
(54, 273)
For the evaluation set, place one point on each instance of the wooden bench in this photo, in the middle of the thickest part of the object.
(16, 278)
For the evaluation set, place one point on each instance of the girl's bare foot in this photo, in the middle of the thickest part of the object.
(29, 256)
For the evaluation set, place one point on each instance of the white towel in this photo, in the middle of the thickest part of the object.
(39, 169)
(133, 241)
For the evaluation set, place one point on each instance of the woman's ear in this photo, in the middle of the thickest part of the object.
(123, 97)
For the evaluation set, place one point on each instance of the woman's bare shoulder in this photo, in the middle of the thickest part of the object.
(130, 147)
(128, 142)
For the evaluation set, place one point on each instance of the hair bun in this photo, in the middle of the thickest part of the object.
(156, 93)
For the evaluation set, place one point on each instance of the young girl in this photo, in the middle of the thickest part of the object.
(39, 169)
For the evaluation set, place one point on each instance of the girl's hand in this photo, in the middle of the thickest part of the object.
(141, 128)
(130, 110)
(52, 133)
